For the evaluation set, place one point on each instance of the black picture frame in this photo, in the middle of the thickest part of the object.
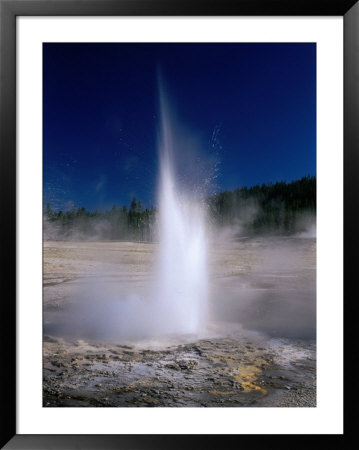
(9, 10)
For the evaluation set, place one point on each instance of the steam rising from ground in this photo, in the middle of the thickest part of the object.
(108, 290)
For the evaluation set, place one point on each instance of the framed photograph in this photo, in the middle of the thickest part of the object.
(173, 180)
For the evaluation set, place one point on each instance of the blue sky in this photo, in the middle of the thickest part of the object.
(247, 110)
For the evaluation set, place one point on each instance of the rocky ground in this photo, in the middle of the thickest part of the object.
(209, 372)
(266, 365)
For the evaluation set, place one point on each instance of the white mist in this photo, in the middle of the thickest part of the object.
(181, 279)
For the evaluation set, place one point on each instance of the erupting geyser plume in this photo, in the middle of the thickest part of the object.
(182, 272)
(177, 302)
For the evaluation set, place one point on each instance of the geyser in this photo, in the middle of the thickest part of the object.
(174, 302)
(181, 281)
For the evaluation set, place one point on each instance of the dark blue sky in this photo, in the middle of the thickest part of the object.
(251, 108)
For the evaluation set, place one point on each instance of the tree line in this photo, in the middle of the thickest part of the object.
(280, 208)
(118, 223)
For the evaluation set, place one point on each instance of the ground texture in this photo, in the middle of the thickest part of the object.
(259, 349)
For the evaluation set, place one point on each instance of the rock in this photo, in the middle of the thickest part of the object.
(173, 366)
(189, 364)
